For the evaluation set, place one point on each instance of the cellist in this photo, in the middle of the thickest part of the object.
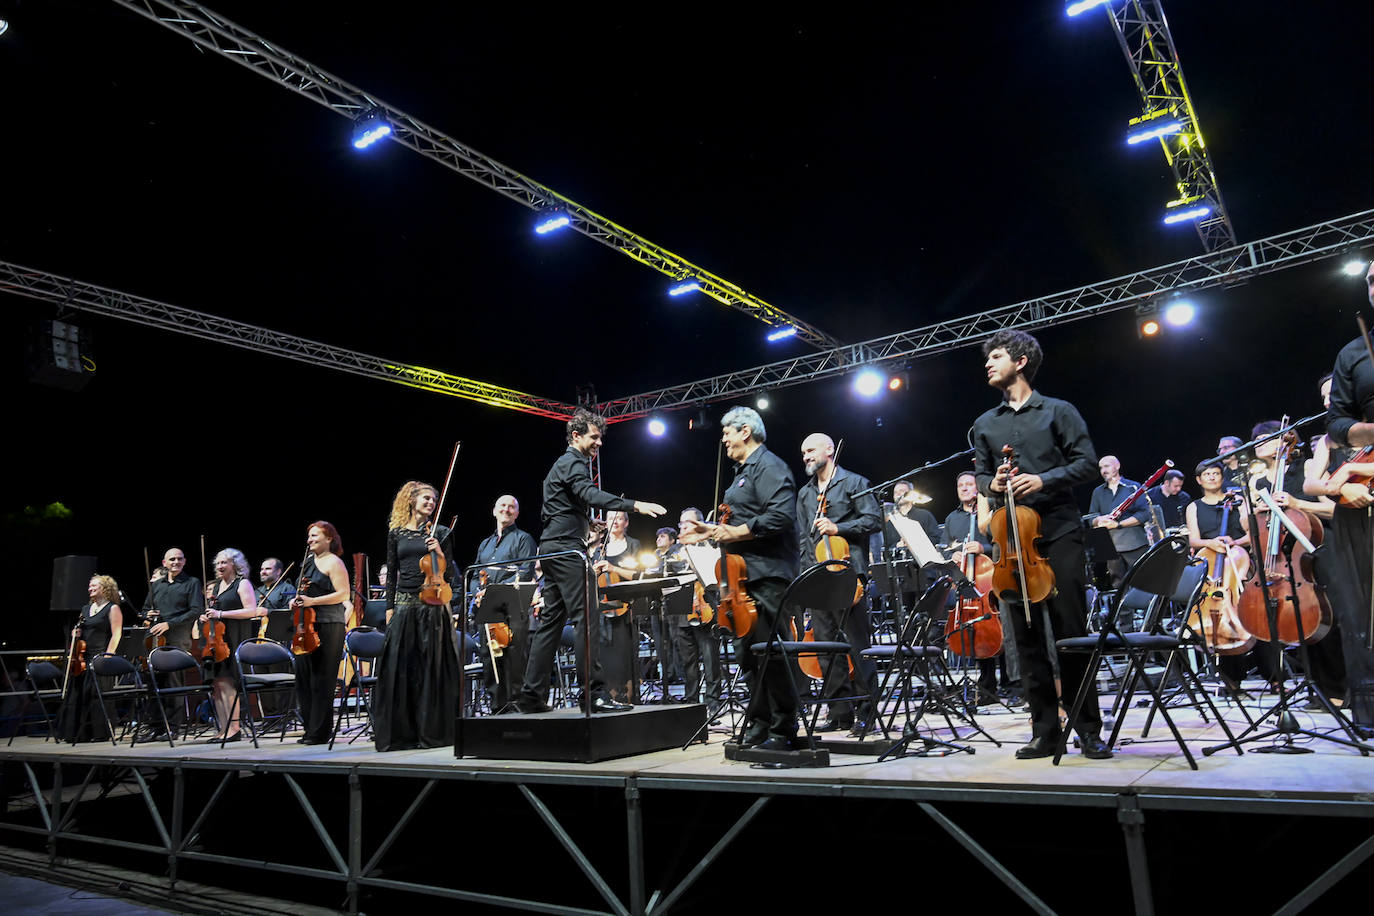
(1053, 454)
(854, 518)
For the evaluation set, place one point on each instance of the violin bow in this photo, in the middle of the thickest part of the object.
(443, 494)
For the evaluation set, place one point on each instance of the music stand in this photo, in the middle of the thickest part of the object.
(507, 603)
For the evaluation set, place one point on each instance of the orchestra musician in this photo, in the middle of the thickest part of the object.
(1350, 423)
(1127, 532)
(854, 518)
(616, 557)
(512, 546)
(661, 624)
(697, 645)
(278, 600)
(100, 626)
(1171, 499)
(762, 531)
(234, 603)
(178, 600)
(1233, 476)
(966, 531)
(325, 588)
(1053, 453)
(416, 694)
(569, 493)
(904, 501)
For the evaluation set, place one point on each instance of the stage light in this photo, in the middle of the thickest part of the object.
(552, 220)
(701, 421)
(1180, 313)
(781, 334)
(899, 381)
(683, 286)
(1082, 6)
(369, 127)
(762, 402)
(4, 26)
(1185, 209)
(869, 382)
(1354, 268)
(1147, 321)
(1149, 130)
(657, 427)
(1149, 327)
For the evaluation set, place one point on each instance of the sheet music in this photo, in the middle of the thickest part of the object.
(703, 558)
(916, 539)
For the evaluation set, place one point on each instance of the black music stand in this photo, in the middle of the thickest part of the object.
(507, 603)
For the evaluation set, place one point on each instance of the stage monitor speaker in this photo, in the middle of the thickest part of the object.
(70, 576)
(58, 355)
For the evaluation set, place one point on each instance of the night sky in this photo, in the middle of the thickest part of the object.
(868, 174)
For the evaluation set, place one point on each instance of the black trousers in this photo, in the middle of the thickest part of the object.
(1068, 613)
(317, 679)
(567, 593)
(179, 636)
(853, 624)
(700, 651)
(1348, 569)
(776, 706)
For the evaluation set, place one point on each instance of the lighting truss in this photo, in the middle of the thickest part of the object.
(1219, 268)
(1143, 34)
(213, 32)
(87, 297)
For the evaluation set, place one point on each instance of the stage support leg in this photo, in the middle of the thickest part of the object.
(988, 860)
(634, 835)
(1132, 821)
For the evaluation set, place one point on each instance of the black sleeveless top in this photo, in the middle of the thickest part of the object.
(235, 630)
(318, 583)
(1209, 520)
(95, 629)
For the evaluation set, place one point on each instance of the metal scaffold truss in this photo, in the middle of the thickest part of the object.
(1143, 33)
(1219, 268)
(87, 297)
(214, 33)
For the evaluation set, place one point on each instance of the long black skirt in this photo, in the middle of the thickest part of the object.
(415, 699)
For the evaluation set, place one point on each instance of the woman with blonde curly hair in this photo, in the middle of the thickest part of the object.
(101, 625)
(414, 700)
(229, 598)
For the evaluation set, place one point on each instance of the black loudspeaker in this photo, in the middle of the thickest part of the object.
(70, 576)
(58, 355)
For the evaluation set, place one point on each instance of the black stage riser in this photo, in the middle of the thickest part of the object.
(567, 736)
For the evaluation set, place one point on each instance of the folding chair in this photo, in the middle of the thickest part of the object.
(1157, 573)
(165, 660)
(362, 644)
(42, 673)
(251, 655)
(120, 669)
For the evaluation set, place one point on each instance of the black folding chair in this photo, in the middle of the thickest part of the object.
(361, 645)
(1157, 573)
(41, 673)
(128, 685)
(250, 658)
(167, 660)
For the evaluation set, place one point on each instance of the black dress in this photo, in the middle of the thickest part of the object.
(236, 630)
(317, 673)
(80, 717)
(415, 700)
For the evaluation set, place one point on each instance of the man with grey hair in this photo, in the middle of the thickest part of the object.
(761, 531)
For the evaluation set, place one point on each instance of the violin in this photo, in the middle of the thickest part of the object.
(76, 660)
(610, 576)
(435, 590)
(1215, 616)
(737, 611)
(498, 638)
(151, 642)
(973, 627)
(829, 547)
(304, 637)
(1020, 571)
(1281, 555)
(213, 647)
(1361, 456)
(701, 613)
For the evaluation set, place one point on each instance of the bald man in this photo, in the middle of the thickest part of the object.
(853, 518)
(1128, 532)
(509, 546)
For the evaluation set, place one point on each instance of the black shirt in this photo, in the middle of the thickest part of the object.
(957, 525)
(569, 493)
(1050, 439)
(1352, 391)
(405, 548)
(1104, 501)
(855, 517)
(1174, 508)
(507, 547)
(177, 602)
(1209, 517)
(280, 598)
(762, 497)
(923, 517)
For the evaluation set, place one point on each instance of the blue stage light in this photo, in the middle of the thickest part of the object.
(1082, 6)
(657, 427)
(1184, 214)
(370, 127)
(869, 382)
(781, 334)
(1152, 129)
(684, 286)
(551, 221)
(1180, 313)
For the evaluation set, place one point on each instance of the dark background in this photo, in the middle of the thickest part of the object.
(868, 173)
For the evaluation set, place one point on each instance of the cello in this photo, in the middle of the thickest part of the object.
(1020, 571)
(1215, 617)
(1283, 555)
(973, 627)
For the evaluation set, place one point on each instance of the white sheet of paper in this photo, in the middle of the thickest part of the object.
(916, 539)
(703, 558)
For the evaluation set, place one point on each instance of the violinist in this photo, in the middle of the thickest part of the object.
(568, 495)
(966, 526)
(100, 627)
(178, 600)
(275, 596)
(1053, 454)
(762, 531)
(1233, 475)
(416, 693)
(1127, 532)
(697, 648)
(233, 603)
(853, 518)
(325, 588)
(660, 624)
(511, 546)
(616, 558)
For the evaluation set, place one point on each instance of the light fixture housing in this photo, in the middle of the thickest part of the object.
(369, 128)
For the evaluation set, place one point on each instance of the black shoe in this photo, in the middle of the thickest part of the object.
(775, 743)
(1039, 747)
(859, 730)
(1014, 700)
(529, 706)
(1093, 747)
(754, 735)
(987, 698)
(606, 704)
(832, 725)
